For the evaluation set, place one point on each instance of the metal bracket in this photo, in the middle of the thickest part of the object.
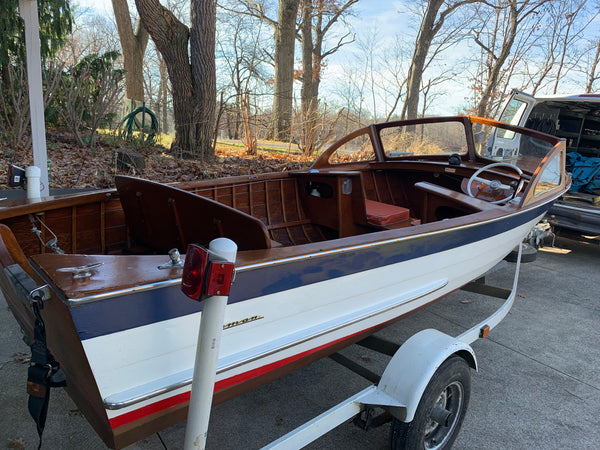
(25, 285)
(80, 272)
(175, 260)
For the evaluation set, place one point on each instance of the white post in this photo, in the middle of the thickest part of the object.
(29, 12)
(207, 353)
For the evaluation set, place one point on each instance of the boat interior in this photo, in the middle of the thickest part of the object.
(290, 209)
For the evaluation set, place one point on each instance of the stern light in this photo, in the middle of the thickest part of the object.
(202, 277)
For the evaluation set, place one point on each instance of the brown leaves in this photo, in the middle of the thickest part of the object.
(16, 443)
(74, 167)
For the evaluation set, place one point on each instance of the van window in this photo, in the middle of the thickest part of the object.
(512, 115)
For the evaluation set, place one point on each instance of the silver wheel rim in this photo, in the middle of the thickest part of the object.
(451, 399)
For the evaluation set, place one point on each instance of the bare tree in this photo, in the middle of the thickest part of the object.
(283, 95)
(433, 20)
(496, 36)
(239, 46)
(133, 47)
(91, 33)
(284, 33)
(318, 18)
(593, 75)
(561, 32)
(192, 74)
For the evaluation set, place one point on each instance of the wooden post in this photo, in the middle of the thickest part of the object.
(29, 12)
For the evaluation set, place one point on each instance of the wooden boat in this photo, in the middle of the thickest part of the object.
(386, 221)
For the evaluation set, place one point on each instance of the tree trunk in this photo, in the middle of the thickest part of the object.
(285, 39)
(190, 94)
(308, 102)
(203, 19)
(498, 62)
(133, 46)
(426, 34)
(307, 57)
(592, 76)
(163, 96)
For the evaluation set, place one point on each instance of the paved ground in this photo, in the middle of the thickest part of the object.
(538, 385)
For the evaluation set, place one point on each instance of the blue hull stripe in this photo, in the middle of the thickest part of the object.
(133, 310)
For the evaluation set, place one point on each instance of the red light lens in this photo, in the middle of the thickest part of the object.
(194, 271)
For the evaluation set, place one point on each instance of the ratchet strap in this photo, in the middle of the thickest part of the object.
(44, 372)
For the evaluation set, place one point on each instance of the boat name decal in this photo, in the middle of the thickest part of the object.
(241, 322)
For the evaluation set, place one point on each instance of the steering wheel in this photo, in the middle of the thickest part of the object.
(496, 185)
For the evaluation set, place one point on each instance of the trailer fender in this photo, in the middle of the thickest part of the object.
(412, 366)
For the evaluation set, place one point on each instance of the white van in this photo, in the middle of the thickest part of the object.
(575, 118)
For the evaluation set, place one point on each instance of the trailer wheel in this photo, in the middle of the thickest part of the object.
(441, 411)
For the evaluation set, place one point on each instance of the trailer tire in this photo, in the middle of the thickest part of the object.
(448, 392)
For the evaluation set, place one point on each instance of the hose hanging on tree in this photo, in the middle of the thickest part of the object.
(131, 124)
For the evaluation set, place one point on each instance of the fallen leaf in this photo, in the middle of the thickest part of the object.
(22, 357)
(16, 443)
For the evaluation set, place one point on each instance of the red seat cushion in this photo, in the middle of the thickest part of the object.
(384, 213)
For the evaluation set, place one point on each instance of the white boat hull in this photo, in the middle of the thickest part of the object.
(144, 369)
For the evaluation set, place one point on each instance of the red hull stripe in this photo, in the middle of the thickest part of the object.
(161, 405)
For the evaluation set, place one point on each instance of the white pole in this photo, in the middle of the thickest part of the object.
(29, 12)
(207, 353)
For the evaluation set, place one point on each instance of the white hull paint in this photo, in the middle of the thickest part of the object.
(139, 367)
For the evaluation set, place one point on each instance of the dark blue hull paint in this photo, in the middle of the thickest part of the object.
(137, 309)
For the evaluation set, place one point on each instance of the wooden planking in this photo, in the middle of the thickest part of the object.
(98, 225)
(93, 227)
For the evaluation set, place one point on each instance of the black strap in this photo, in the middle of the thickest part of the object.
(44, 372)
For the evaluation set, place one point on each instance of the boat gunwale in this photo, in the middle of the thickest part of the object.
(496, 214)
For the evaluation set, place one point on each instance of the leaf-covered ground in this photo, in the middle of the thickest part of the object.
(73, 167)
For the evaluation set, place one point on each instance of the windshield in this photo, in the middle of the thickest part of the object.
(433, 138)
(524, 151)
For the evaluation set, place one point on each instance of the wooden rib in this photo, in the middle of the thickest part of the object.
(376, 188)
(103, 227)
(74, 229)
(282, 197)
(300, 211)
(267, 204)
(364, 174)
(233, 196)
(178, 222)
(389, 187)
(250, 203)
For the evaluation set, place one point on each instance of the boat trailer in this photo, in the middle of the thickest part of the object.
(424, 389)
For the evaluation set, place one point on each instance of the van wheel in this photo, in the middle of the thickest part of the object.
(441, 410)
